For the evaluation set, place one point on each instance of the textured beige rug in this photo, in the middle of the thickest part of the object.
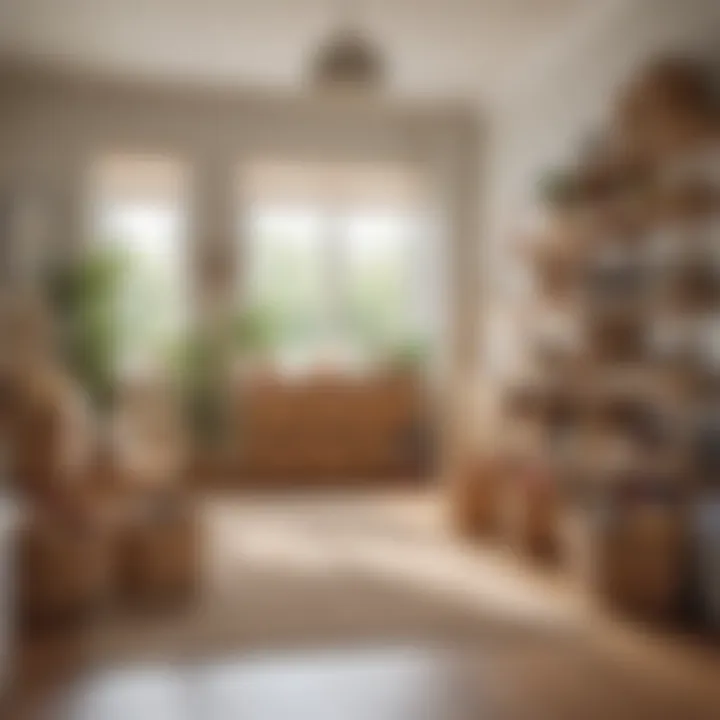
(341, 569)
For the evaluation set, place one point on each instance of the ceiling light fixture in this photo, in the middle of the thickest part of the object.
(348, 59)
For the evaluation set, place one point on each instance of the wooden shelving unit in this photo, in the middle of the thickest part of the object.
(625, 350)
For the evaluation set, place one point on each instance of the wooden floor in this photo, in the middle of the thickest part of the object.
(430, 630)
(395, 683)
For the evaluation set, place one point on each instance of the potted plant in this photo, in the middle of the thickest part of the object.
(85, 294)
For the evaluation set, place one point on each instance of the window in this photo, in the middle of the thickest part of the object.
(332, 259)
(139, 213)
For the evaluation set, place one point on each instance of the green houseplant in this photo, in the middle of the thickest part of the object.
(85, 293)
(203, 361)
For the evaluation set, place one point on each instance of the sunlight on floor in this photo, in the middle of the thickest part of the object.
(396, 538)
(346, 569)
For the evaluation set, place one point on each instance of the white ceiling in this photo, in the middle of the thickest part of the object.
(443, 48)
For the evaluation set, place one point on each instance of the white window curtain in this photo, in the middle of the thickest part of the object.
(139, 209)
